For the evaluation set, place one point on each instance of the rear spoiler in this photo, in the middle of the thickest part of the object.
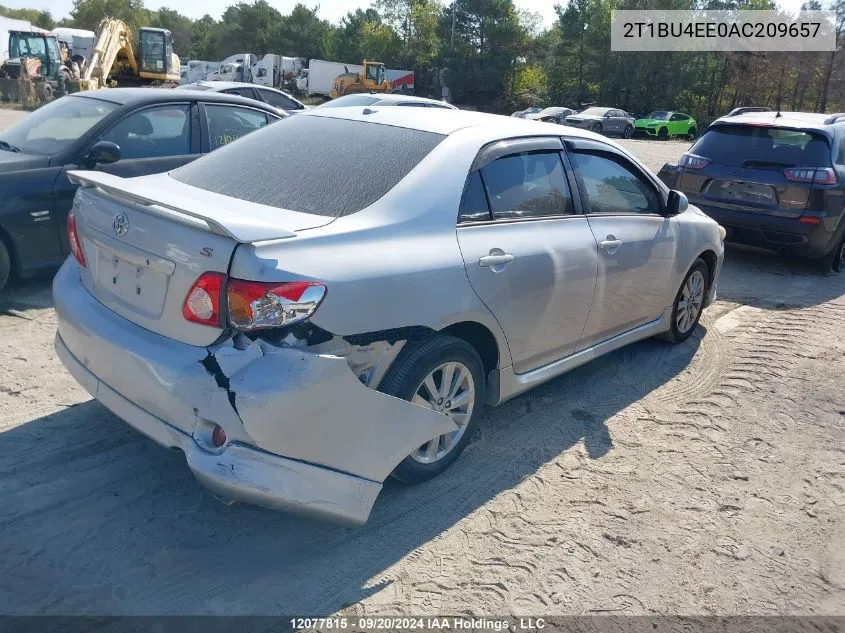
(241, 227)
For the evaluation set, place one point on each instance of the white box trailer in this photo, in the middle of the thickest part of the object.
(321, 76)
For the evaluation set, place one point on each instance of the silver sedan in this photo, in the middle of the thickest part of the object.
(305, 325)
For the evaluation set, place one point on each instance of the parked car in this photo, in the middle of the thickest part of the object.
(382, 100)
(319, 328)
(663, 124)
(550, 115)
(124, 131)
(603, 121)
(521, 114)
(279, 99)
(773, 180)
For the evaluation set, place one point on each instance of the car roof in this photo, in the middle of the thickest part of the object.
(442, 121)
(125, 96)
(392, 98)
(810, 121)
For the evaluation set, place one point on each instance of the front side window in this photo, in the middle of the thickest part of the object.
(229, 123)
(527, 186)
(55, 126)
(153, 133)
(658, 115)
(678, 117)
(613, 185)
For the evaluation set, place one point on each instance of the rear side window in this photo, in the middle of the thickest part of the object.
(320, 165)
(754, 146)
(527, 186)
(474, 207)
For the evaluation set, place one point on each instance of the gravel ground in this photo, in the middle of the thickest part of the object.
(704, 478)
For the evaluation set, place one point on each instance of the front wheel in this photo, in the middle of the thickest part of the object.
(597, 128)
(663, 134)
(689, 303)
(628, 132)
(445, 374)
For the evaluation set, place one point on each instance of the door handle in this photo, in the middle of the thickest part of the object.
(611, 245)
(495, 260)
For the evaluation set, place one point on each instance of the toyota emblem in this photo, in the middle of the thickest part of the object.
(120, 224)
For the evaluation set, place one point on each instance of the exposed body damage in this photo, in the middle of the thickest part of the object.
(327, 441)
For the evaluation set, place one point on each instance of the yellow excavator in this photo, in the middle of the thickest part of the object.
(113, 61)
(370, 79)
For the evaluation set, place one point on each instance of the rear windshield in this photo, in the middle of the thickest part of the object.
(320, 165)
(755, 146)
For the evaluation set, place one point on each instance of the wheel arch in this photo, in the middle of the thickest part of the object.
(710, 258)
(9, 243)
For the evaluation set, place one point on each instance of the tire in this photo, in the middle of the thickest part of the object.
(628, 132)
(833, 262)
(406, 379)
(596, 128)
(693, 134)
(681, 328)
(663, 134)
(5, 265)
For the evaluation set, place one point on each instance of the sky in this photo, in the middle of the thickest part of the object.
(331, 10)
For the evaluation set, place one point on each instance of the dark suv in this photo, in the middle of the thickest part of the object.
(774, 180)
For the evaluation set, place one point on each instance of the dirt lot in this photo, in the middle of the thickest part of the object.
(705, 478)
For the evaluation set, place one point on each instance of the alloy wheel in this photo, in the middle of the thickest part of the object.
(690, 302)
(448, 389)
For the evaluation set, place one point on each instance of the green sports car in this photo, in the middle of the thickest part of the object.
(662, 124)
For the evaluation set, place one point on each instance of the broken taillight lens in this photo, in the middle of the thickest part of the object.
(202, 305)
(259, 305)
(73, 240)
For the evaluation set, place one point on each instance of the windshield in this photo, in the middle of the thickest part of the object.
(753, 146)
(596, 111)
(285, 165)
(53, 127)
(350, 100)
(23, 45)
(659, 115)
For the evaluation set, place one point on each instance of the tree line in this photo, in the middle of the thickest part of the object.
(495, 57)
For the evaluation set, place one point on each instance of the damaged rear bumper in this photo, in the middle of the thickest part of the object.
(304, 434)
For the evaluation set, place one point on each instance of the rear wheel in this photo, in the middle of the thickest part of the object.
(628, 132)
(835, 260)
(445, 374)
(597, 128)
(5, 265)
(689, 303)
(663, 134)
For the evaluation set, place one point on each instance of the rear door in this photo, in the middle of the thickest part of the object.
(636, 242)
(529, 254)
(746, 169)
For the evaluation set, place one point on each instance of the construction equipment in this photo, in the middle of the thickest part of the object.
(113, 61)
(35, 57)
(370, 79)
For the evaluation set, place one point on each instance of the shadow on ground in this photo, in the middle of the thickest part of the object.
(97, 519)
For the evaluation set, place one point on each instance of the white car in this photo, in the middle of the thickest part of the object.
(277, 98)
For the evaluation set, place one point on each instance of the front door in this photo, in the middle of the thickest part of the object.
(529, 256)
(152, 140)
(636, 242)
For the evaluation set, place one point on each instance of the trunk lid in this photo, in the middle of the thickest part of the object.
(147, 240)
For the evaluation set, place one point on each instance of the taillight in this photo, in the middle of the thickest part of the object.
(73, 240)
(202, 305)
(257, 305)
(691, 161)
(816, 175)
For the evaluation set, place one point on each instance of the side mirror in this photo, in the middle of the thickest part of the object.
(676, 203)
(102, 153)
